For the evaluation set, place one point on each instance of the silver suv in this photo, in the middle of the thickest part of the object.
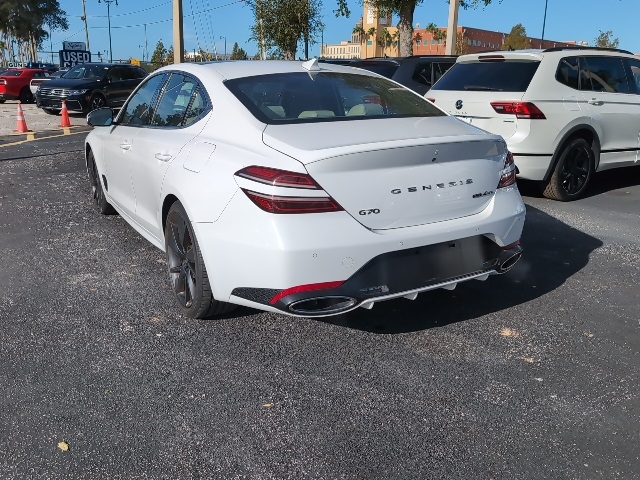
(565, 112)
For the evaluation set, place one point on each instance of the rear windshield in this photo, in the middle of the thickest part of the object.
(325, 97)
(511, 76)
(385, 69)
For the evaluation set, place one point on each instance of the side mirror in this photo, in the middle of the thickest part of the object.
(100, 117)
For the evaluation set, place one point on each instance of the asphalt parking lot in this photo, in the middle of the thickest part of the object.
(36, 119)
(533, 374)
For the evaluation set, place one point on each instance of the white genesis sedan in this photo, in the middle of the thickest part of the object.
(301, 188)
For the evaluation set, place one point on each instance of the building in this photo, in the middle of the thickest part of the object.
(375, 36)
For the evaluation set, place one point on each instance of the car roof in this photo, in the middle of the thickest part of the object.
(247, 68)
(538, 54)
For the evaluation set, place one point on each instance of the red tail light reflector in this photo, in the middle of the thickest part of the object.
(278, 178)
(508, 173)
(280, 204)
(519, 109)
(305, 288)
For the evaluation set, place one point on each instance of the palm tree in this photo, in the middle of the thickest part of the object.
(385, 39)
(372, 33)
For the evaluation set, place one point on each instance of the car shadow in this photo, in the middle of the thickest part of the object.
(602, 182)
(553, 252)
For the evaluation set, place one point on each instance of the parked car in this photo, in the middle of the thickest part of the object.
(565, 112)
(418, 72)
(266, 188)
(88, 86)
(47, 67)
(14, 84)
(36, 81)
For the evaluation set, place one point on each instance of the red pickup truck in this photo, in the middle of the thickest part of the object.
(14, 83)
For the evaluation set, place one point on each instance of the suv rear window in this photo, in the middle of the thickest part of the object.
(326, 97)
(509, 76)
(386, 69)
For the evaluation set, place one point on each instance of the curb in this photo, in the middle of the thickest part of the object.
(17, 138)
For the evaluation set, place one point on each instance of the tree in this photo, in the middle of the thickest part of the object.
(159, 54)
(517, 38)
(371, 33)
(281, 24)
(238, 53)
(385, 40)
(28, 22)
(403, 9)
(604, 40)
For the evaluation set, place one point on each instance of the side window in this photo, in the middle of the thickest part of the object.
(139, 73)
(607, 74)
(174, 101)
(567, 73)
(137, 111)
(129, 74)
(634, 67)
(422, 74)
(196, 109)
(117, 74)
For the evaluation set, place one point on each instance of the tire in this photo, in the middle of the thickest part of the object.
(97, 101)
(2, 100)
(25, 95)
(572, 173)
(187, 272)
(51, 111)
(97, 193)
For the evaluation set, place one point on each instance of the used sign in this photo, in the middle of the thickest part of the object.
(70, 58)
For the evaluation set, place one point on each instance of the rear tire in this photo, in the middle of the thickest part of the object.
(25, 95)
(104, 207)
(97, 101)
(572, 173)
(187, 272)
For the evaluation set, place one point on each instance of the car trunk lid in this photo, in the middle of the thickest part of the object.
(394, 173)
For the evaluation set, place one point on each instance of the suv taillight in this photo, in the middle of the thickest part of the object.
(508, 173)
(519, 109)
(286, 204)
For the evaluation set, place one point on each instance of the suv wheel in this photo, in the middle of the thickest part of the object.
(572, 172)
(97, 101)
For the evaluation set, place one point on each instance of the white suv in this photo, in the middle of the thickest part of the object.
(564, 112)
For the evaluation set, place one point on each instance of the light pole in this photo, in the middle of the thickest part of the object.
(86, 27)
(109, 2)
(544, 21)
(225, 46)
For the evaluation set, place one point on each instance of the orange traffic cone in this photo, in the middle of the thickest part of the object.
(65, 122)
(22, 124)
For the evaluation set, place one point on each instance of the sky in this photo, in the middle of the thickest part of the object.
(208, 23)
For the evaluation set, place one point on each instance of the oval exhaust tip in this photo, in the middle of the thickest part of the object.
(322, 305)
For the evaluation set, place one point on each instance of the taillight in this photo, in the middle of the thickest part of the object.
(280, 204)
(278, 178)
(519, 109)
(508, 173)
(3, 81)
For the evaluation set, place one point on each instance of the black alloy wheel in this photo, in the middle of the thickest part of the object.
(572, 173)
(97, 101)
(97, 193)
(187, 272)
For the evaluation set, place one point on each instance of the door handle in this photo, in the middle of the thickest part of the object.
(164, 157)
(596, 102)
(125, 146)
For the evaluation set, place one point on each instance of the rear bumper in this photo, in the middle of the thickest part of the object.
(403, 273)
(532, 167)
(252, 256)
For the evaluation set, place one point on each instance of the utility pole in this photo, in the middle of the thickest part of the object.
(544, 21)
(225, 46)
(178, 37)
(452, 27)
(109, 2)
(86, 27)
